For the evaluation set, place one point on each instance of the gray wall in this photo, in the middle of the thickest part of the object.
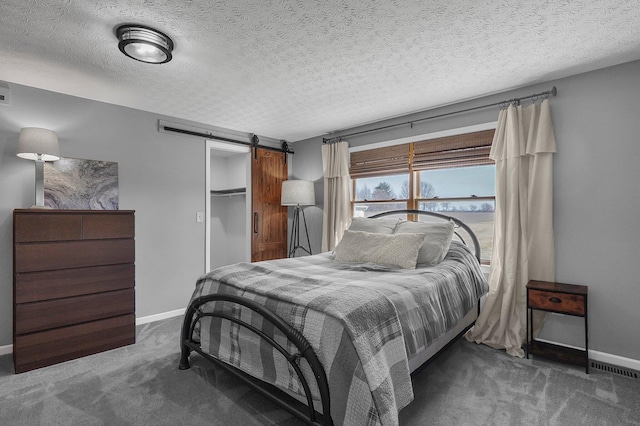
(161, 177)
(596, 195)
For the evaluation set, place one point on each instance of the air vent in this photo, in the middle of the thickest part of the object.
(614, 369)
(5, 94)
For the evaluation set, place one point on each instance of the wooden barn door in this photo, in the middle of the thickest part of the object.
(269, 239)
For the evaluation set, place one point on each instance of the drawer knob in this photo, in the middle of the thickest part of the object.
(555, 300)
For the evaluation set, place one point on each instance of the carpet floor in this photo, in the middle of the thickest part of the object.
(468, 384)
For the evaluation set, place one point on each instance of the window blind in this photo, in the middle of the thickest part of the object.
(470, 149)
(388, 160)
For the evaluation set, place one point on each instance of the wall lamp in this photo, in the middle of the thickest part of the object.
(144, 44)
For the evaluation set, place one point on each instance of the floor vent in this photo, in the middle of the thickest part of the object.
(614, 369)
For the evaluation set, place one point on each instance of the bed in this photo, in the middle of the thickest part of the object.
(339, 334)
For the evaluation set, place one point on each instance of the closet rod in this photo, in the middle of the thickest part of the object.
(254, 139)
(535, 96)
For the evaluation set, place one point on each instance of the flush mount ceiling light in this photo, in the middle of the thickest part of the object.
(144, 44)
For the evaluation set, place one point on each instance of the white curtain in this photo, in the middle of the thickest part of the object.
(337, 200)
(523, 242)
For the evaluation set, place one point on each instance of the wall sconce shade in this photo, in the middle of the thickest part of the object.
(144, 44)
(38, 144)
(298, 193)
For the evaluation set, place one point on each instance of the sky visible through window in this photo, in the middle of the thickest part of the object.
(455, 182)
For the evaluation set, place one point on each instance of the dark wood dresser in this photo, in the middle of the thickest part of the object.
(73, 284)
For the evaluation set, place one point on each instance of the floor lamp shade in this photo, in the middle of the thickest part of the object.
(39, 145)
(298, 193)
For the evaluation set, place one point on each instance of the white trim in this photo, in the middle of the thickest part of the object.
(5, 350)
(616, 360)
(605, 357)
(208, 146)
(427, 136)
(161, 316)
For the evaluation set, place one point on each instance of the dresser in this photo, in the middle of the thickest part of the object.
(73, 284)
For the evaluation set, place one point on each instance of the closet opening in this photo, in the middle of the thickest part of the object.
(228, 204)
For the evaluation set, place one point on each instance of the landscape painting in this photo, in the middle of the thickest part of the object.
(77, 184)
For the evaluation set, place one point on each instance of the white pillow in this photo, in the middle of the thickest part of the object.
(387, 249)
(376, 226)
(436, 242)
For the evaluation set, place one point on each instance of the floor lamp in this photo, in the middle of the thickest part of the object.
(298, 194)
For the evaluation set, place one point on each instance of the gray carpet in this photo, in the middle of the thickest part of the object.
(141, 385)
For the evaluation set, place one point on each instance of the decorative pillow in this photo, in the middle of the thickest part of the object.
(387, 249)
(436, 242)
(375, 226)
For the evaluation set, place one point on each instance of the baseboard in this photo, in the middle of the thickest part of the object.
(608, 358)
(5, 350)
(620, 361)
(161, 316)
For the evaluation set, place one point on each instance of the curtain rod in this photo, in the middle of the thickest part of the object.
(516, 101)
(254, 139)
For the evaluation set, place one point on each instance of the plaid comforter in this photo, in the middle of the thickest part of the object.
(363, 321)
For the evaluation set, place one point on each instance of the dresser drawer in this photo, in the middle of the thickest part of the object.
(573, 304)
(73, 254)
(49, 314)
(99, 226)
(62, 344)
(37, 286)
(47, 227)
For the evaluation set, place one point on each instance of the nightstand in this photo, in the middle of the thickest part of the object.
(568, 299)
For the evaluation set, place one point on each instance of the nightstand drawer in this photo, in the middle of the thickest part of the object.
(573, 304)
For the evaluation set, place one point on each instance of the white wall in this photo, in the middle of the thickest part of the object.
(596, 194)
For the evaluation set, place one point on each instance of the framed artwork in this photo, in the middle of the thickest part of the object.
(77, 184)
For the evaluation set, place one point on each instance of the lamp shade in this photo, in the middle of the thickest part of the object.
(298, 193)
(35, 143)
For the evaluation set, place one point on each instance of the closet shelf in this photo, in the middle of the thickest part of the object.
(228, 192)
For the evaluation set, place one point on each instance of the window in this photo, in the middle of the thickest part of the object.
(451, 175)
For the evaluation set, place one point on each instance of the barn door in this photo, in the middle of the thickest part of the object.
(269, 238)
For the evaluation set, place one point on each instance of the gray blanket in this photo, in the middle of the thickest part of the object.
(362, 320)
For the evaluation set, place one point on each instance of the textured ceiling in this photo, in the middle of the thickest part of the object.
(292, 69)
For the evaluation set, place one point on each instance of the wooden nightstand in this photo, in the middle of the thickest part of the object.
(568, 299)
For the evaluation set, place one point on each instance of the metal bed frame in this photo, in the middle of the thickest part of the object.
(195, 313)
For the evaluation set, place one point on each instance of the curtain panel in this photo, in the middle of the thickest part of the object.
(336, 213)
(523, 147)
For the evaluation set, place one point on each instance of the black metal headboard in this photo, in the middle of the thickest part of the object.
(458, 223)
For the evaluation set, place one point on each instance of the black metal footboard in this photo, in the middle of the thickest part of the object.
(304, 350)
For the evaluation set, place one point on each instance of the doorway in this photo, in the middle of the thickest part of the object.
(228, 204)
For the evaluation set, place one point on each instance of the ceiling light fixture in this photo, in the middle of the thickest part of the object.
(144, 44)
